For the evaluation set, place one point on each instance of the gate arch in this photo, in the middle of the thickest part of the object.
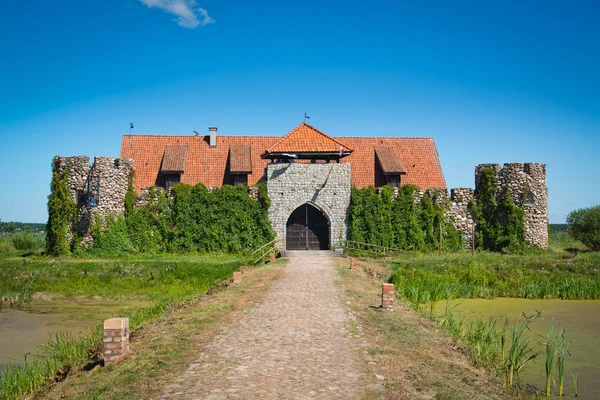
(307, 228)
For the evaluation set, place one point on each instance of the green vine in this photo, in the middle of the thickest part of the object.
(62, 213)
(500, 223)
(385, 220)
(194, 220)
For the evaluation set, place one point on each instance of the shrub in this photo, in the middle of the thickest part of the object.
(399, 222)
(584, 225)
(24, 241)
(6, 246)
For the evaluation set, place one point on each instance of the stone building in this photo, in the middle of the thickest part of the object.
(98, 189)
(309, 176)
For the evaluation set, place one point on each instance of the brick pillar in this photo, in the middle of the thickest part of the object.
(271, 257)
(237, 277)
(116, 340)
(353, 264)
(387, 296)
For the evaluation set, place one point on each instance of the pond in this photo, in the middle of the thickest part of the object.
(580, 319)
(22, 331)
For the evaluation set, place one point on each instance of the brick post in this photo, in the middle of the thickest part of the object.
(353, 264)
(116, 340)
(237, 276)
(271, 257)
(387, 296)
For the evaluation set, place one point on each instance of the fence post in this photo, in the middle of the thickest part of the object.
(116, 340)
(387, 296)
(237, 276)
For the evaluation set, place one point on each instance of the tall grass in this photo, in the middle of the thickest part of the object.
(488, 344)
(520, 352)
(550, 353)
(492, 275)
(167, 282)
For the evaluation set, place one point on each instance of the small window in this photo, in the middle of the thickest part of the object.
(92, 196)
(171, 179)
(393, 180)
(240, 180)
(81, 197)
(529, 199)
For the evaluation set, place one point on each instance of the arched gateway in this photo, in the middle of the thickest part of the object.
(307, 228)
(309, 189)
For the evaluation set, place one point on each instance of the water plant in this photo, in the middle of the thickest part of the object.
(562, 349)
(550, 353)
(575, 379)
(520, 352)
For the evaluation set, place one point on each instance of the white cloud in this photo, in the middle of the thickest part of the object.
(188, 15)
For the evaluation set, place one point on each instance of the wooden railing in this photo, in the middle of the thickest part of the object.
(264, 249)
(376, 249)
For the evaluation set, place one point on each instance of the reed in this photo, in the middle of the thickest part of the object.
(575, 379)
(562, 350)
(550, 353)
(503, 337)
(519, 352)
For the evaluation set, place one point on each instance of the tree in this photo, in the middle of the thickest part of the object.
(584, 225)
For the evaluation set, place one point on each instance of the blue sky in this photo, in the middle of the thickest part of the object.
(490, 81)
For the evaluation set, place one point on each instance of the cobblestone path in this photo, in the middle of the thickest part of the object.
(299, 343)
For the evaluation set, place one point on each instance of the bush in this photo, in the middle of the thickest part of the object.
(25, 241)
(584, 225)
(378, 218)
(6, 246)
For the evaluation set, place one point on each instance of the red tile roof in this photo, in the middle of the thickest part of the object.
(389, 160)
(209, 166)
(174, 158)
(240, 159)
(307, 139)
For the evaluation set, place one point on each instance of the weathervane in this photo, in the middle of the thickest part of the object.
(130, 127)
(306, 117)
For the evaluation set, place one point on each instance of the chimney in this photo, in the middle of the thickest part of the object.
(213, 136)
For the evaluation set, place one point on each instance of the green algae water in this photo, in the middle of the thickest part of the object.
(22, 331)
(580, 319)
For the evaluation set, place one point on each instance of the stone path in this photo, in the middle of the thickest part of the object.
(299, 343)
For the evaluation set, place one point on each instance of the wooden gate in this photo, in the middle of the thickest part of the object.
(307, 229)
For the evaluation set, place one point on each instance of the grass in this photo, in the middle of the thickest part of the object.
(156, 279)
(422, 278)
(161, 351)
(164, 282)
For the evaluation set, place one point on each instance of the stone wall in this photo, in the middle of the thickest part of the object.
(518, 177)
(459, 213)
(98, 189)
(79, 168)
(326, 186)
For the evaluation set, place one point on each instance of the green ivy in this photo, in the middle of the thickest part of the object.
(62, 213)
(500, 223)
(382, 219)
(193, 220)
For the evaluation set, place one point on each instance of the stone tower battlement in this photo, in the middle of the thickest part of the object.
(98, 189)
(527, 185)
